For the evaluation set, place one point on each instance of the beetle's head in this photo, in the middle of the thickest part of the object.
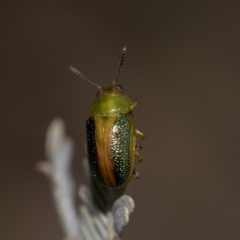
(110, 100)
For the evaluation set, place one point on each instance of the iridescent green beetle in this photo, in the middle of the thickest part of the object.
(111, 134)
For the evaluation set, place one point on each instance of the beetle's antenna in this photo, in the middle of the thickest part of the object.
(83, 77)
(120, 65)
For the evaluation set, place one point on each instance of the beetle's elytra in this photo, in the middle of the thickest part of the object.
(111, 134)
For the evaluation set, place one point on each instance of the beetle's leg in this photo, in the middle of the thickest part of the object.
(139, 147)
(130, 113)
(139, 135)
(138, 157)
(135, 174)
(133, 105)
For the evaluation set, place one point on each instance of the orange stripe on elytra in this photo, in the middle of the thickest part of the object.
(103, 143)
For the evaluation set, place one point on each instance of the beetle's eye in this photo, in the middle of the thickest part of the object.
(98, 93)
(119, 87)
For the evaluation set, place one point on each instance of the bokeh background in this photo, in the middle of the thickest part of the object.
(182, 66)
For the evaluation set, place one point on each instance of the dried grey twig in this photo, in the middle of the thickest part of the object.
(104, 212)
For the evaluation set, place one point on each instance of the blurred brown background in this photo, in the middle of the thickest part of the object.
(182, 66)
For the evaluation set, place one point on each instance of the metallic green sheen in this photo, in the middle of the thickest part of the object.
(120, 147)
(111, 105)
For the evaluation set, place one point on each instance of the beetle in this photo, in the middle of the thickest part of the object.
(112, 135)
